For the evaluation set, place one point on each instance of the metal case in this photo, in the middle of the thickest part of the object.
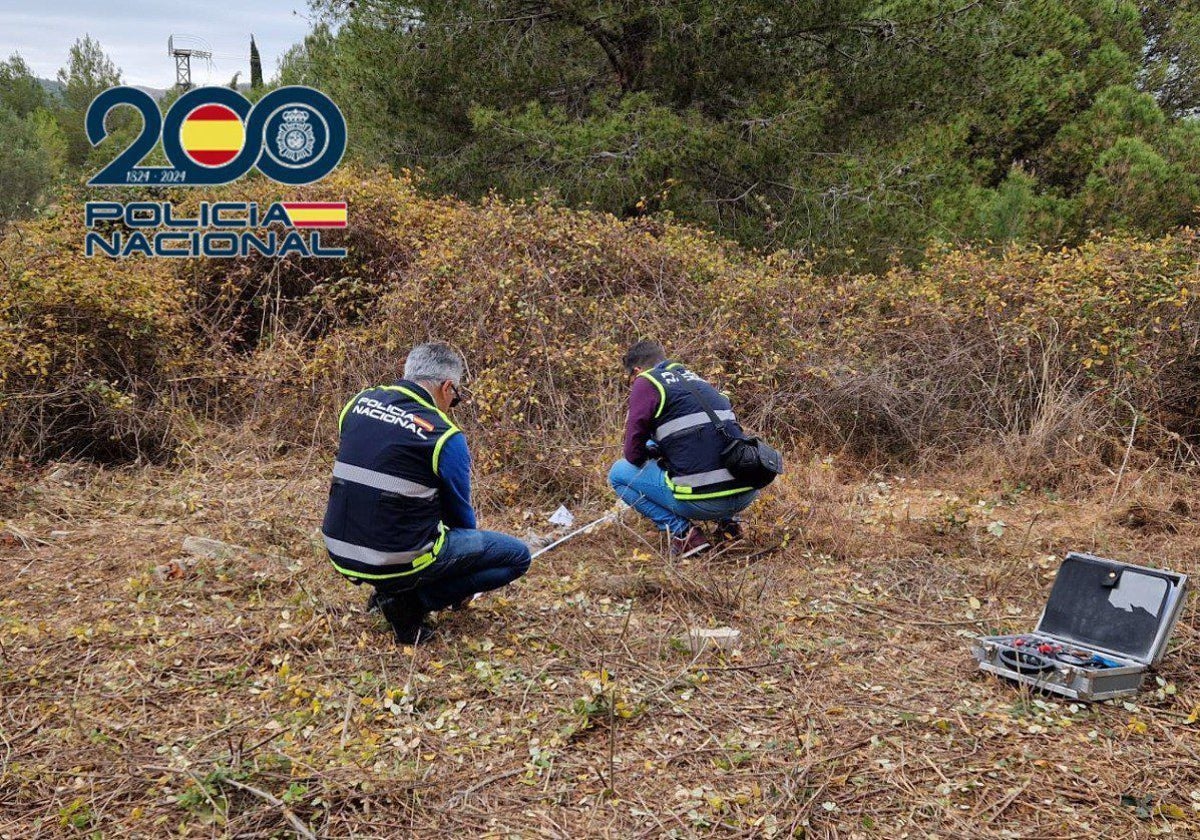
(1105, 624)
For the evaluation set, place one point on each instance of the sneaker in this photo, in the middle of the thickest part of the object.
(690, 542)
(729, 530)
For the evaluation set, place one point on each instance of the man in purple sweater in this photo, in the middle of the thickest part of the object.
(672, 472)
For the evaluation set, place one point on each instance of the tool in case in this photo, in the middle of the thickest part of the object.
(1105, 624)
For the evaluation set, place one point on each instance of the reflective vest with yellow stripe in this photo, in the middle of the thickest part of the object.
(686, 437)
(383, 520)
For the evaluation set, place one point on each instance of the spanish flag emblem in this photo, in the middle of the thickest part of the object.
(316, 214)
(212, 135)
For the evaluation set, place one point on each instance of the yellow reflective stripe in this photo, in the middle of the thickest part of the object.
(422, 401)
(417, 565)
(689, 497)
(437, 448)
(415, 396)
(402, 390)
(678, 490)
(353, 400)
(686, 494)
(662, 392)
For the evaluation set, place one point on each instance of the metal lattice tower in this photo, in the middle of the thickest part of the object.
(183, 61)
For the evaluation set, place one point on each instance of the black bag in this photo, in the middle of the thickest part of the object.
(748, 459)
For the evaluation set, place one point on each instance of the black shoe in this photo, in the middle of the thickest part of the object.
(406, 615)
(463, 604)
(417, 634)
(729, 530)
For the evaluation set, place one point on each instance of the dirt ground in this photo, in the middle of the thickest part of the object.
(151, 692)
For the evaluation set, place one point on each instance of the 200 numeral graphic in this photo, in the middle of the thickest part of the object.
(213, 135)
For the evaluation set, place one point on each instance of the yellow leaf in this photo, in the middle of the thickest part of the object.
(1171, 811)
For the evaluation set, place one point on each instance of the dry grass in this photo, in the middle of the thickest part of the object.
(251, 696)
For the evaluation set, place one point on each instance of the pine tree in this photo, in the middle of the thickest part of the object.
(854, 129)
(89, 71)
(256, 79)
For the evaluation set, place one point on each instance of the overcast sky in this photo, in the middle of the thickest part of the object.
(134, 34)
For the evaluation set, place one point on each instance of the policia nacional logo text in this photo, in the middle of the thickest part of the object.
(218, 229)
(213, 135)
(393, 415)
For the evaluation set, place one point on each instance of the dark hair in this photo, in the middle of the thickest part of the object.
(645, 354)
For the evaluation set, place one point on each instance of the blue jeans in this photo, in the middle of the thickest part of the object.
(645, 489)
(470, 561)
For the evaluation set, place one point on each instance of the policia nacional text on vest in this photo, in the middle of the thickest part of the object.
(384, 519)
(686, 437)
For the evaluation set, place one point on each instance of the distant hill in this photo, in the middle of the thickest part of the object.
(54, 88)
(157, 93)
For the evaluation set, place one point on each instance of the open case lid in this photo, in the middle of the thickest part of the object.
(1115, 607)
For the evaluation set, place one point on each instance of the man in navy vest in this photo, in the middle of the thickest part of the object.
(672, 472)
(399, 514)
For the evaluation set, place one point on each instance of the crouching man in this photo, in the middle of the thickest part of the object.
(399, 515)
(672, 472)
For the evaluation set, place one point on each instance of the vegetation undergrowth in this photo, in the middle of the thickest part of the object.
(1060, 359)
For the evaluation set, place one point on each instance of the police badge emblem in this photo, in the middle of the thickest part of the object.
(295, 139)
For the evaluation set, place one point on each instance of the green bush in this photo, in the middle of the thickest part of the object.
(1046, 352)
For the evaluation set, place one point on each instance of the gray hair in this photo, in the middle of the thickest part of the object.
(434, 361)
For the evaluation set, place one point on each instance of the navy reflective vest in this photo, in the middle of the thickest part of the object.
(686, 437)
(383, 520)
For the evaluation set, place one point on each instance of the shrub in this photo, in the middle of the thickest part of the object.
(1046, 353)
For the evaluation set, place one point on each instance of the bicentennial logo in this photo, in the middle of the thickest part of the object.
(213, 135)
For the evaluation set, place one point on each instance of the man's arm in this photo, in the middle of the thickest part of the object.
(454, 467)
(639, 425)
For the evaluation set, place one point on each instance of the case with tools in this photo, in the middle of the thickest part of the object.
(1105, 624)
